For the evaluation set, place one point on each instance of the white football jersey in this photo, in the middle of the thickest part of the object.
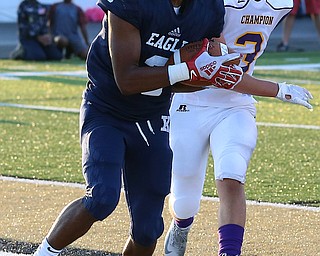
(248, 25)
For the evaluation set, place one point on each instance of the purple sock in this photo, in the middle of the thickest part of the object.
(230, 239)
(184, 223)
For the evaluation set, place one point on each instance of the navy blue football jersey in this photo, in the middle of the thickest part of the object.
(162, 32)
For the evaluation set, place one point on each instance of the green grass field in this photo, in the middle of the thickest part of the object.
(41, 144)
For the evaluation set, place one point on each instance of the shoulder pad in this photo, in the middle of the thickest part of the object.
(236, 3)
(280, 4)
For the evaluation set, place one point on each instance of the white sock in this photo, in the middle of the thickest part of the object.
(45, 249)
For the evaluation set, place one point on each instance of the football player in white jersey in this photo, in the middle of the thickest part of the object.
(223, 121)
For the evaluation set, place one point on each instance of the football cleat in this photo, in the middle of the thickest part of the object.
(176, 240)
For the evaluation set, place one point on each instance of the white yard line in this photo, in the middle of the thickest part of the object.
(298, 126)
(305, 67)
(83, 73)
(75, 110)
(16, 75)
(205, 198)
(11, 254)
(48, 108)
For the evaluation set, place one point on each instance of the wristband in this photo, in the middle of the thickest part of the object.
(279, 93)
(178, 72)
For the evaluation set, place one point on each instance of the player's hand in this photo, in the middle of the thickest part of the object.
(227, 77)
(204, 67)
(45, 39)
(294, 94)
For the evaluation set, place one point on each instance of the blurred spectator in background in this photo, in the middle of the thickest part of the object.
(35, 41)
(313, 8)
(65, 20)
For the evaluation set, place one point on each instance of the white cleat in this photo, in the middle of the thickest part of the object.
(176, 240)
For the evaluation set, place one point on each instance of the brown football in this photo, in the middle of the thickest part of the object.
(188, 51)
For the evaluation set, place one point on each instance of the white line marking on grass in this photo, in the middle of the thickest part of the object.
(297, 59)
(83, 73)
(74, 110)
(305, 67)
(11, 254)
(43, 182)
(299, 126)
(277, 205)
(205, 198)
(48, 108)
(75, 73)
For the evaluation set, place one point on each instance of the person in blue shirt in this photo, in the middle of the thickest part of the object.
(124, 116)
(67, 20)
(35, 40)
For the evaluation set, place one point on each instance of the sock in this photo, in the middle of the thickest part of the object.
(230, 239)
(45, 249)
(184, 223)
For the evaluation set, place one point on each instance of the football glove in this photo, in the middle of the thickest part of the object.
(204, 67)
(294, 94)
(227, 77)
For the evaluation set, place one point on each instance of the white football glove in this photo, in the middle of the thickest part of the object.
(294, 94)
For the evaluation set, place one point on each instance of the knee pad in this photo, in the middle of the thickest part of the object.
(184, 207)
(101, 201)
(231, 165)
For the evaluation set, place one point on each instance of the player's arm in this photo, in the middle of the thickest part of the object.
(285, 92)
(258, 87)
(282, 91)
(83, 25)
(125, 47)
(51, 19)
(255, 86)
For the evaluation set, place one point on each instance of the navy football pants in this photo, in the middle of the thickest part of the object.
(33, 50)
(141, 152)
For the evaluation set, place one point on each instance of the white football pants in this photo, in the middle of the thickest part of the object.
(230, 133)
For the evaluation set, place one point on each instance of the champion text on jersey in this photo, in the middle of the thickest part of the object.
(257, 19)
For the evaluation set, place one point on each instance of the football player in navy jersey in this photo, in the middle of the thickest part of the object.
(124, 116)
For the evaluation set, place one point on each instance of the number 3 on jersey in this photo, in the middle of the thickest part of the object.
(254, 38)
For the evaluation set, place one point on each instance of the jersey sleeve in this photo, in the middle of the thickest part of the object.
(127, 10)
(219, 18)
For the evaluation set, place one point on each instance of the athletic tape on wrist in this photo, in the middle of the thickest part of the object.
(178, 73)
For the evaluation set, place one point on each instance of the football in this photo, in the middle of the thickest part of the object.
(187, 52)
